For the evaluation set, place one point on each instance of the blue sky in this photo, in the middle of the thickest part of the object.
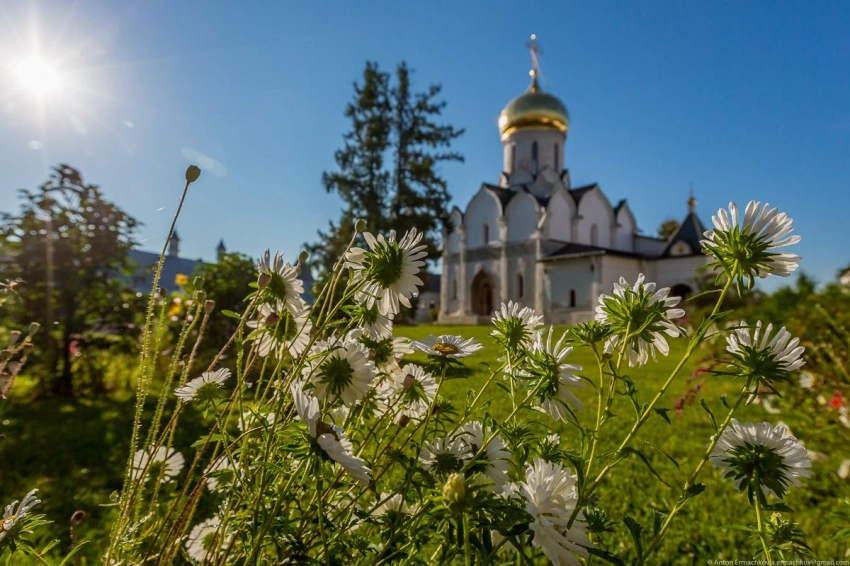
(744, 100)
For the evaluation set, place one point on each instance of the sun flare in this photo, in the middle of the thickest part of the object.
(37, 75)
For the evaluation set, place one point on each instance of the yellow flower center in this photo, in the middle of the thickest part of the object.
(446, 349)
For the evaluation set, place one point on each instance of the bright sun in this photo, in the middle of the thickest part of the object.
(37, 75)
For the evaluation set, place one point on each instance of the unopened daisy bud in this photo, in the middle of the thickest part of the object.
(198, 282)
(455, 488)
(272, 319)
(403, 421)
(33, 328)
(209, 306)
(200, 296)
(263, 281)
(14, 336)
(303, 257)
(360, 225)
(192, 173)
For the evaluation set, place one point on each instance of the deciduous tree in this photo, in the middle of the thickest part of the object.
(70, 247)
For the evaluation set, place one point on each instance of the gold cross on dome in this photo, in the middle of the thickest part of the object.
(535, 50)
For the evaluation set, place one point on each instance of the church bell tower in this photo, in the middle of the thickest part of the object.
(534, 127)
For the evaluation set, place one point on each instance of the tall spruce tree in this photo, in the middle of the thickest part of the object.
(387, 168)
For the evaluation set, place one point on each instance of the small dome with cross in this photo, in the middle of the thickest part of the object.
(534, 109)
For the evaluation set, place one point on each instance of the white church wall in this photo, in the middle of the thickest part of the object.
(614, 267)
(559, 216)
(626, 228)
(453, 241)
(594, 211)
(521, 213)
(649, 246)
(678, 270)
(573, 275)
(521, 266)
(483, 210)
(452, 289)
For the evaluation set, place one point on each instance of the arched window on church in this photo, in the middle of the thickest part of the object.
(520, 286)
(556, 157)
(486, 234)
(594, 235)
(454, 289)
(512, 155)
(572, 298)
(534, 158)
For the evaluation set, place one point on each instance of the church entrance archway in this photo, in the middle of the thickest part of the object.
(482, 294)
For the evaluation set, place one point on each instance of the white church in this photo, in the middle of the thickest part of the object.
(535, 239)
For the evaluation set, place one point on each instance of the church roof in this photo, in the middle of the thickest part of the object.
(505, 194)
(690, 232)
(573, 250)
(579, 192)
(146, 265)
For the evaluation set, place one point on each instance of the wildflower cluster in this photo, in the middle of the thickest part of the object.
(333, 441)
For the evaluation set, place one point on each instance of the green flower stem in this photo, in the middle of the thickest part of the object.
(599, 390)
(683, 498)
(172, 372)
(467, 552)
(142, 383)
(493, 434)
(760, 526)
(141, 389)
(618, 454)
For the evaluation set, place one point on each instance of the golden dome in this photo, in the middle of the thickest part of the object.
(534, 109)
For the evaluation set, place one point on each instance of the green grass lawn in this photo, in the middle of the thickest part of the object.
(74, 452)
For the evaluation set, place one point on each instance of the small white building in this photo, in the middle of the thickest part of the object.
(535, 239)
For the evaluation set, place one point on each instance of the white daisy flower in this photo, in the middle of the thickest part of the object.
(201, 542)
(390, 504)
(515, 327)
(807, 380)
(759, 356)
(283, 283)
(844, 469)
(165, 461)
(444, 455)
(373, 323)
(761, 457)
(414, 389)
(340, 370)
(281, 333)
(642, 312)
(446, 346)
(546, 363)
(388, 270)
(16, 511)
(495, 461)
(331, 439)
(551, 496)
(751, 242)
(205, 388)
(385, 353)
